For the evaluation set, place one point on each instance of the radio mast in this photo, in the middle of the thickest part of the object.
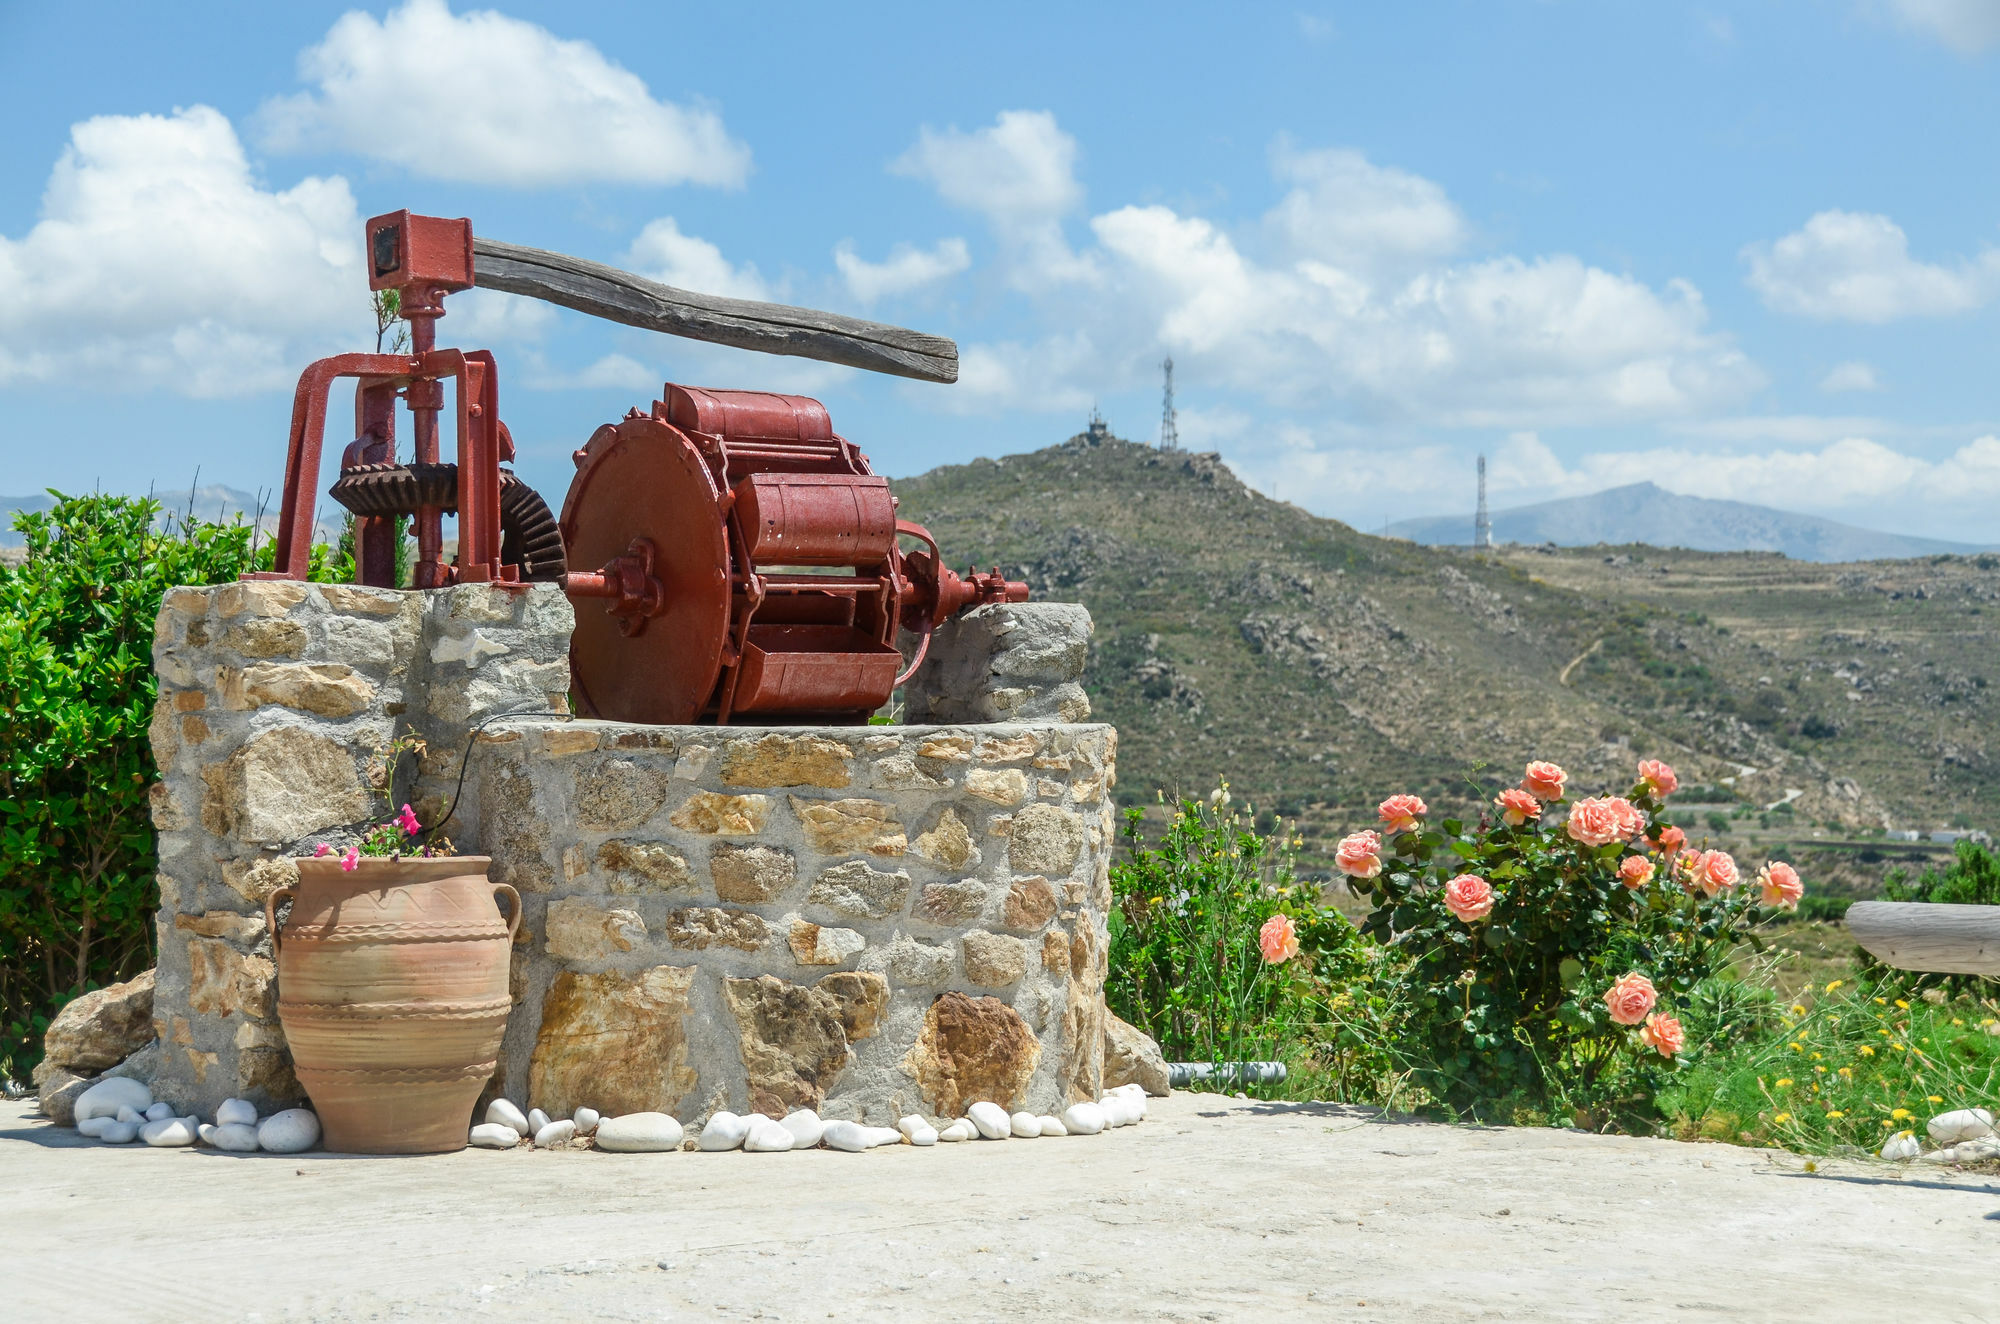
(1482, 524)
(1170, 432)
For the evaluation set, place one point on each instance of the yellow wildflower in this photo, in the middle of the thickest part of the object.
(1904, 1005)
(1783, 1081)
(1900, 1114)
(1816, 1057)
(1781, 1119)
(1881, 1002)
(1835, 1113)
(1958, 1022)
(1835, 984)
(1821, 1070)
(1797, 1010)
(1798, 1047)
(1867, 1050)
(1895, 1047)
(1846, 1073)
(1934, 1098)
(1887, 1122)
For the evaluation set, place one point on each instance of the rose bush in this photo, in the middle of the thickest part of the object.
(1540, 953)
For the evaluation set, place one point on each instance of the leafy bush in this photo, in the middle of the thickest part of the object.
(1971, 879)
(1538, 946)
(1186, 964)
(76, 697)
(1847, 1069)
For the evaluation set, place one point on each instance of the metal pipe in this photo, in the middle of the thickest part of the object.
(1182, 1074)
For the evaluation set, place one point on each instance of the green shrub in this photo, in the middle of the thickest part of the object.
(77, 890)
(1971, 879)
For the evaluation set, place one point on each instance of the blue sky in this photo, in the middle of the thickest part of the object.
(1748, 251)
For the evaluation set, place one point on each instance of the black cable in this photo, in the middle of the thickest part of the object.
(465, 759)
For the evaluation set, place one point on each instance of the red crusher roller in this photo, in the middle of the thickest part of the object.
(750, 566)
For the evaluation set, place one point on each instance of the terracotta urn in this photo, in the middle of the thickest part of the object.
(392, 988)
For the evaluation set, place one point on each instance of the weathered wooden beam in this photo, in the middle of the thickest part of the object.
(1936, 939)
(774, 328)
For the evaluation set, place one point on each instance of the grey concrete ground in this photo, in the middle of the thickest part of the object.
(1210, 1210)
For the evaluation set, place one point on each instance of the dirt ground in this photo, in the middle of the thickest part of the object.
(1213, 1209)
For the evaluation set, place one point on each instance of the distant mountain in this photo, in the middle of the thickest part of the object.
(1644, 513)
(211, 501)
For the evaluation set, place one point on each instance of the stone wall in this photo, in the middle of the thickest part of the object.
(868, 920)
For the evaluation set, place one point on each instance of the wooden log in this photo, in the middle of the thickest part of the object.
(1936, 939)
(774, 328)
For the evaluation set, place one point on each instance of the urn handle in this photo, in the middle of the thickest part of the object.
(271, 915)
(513, 908)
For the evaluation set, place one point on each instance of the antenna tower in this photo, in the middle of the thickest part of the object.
(1170, 432)
(1482, 524)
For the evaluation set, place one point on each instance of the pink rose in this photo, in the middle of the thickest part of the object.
(1469, 897)
(1359, 855)
(1669, 838)
(1544, 781)
(1399, 813)
(1595, 822)
(1781, 885)
(1658, 776)
(350, 859)
(1630, 821)
(1517, 806)
(1630, 998)
(1715, 871)
(1662, 1034)
(1635, 872)
(1278, 939)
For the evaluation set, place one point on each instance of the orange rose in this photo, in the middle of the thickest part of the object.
(1635, 872)
(1658, 776)
(1544, 781)
(1715, 871)
(1399, 813)
(1663, 1034)
(1669, 838)
(1630, 821)
(1469, 897)
(1359, 855)
(1595, 822)
(1278, 939)
(1781, 885)
(1631, 998)
(1518, 807)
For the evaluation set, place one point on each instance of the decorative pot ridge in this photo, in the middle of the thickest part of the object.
(392, 988)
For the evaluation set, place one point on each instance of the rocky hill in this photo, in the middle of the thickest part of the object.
(1318, 668)
(1643, 512)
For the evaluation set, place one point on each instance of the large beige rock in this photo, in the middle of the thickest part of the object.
(993, 960)
(1045, 840)
(329, 689)
(57, 1090)
(751, 875)
(266, 638)
(1003, 786)
(620, 794)
(284, 784)
(254, 880)
(864, 999)
(579, 929)
(793, 1042)
(254, 597)
(715, 815)
(102, 1028)
(1055, 953)
(855, 889)
(614, 1042)
(949, 842)
(850, 827)
(225, 982)
(820, 944)
(972, 1049)
(952, 904)
(697, 928)
(1083, 1043)
(1031, 903)
(782, 760)
(244, 930)
(1132, 1058)
(639, 866)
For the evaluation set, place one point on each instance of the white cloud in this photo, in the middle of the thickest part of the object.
(159, 259)
(1344, 208)
(906, 269)
(1020, 174)
(663, 253)
(485, 98)
(1969, 27)
(1853, 375)
(1856, 267)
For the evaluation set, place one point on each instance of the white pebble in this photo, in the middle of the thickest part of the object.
(236, 1112)
(537, 1119)
(639, 1133)
(957, 1131)
(768, 1137)
(805, 1126)
(848, 1137)
(1084, 1119)
(878, 1136)
(991, 1119)
(502, 1112)
(116, 1132)
(133, 1115)
(1902, 1145)
(234, 1137)
(1960, 1124)
(494, 1135)
(160, 1111)
(1052, 1126)
(555, 1133)
(917, 1131)
(724, 1131)
(107, 1096)
(1025, 1125)
(292, 1131)
(169, 1132)
(1119, 1110)
(586, 1121)
(204, 1131)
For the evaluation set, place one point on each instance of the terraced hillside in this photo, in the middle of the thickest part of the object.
(1317, 667)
